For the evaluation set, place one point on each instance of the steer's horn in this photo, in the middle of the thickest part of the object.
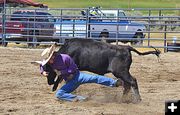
(36, 62)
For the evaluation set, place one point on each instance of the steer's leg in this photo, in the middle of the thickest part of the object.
(128, 83)
(132, 82)
(135, 90)
(126, 98)
(120, 68)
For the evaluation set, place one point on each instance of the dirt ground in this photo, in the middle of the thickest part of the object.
(24, 91)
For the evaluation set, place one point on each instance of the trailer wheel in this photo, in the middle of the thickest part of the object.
(4, 44)
(138, 39)
(103, 36)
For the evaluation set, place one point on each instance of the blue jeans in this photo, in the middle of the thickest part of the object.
(64, 93)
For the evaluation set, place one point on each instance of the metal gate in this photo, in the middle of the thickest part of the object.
(44, 26)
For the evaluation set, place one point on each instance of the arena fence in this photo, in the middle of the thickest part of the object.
(162, 26)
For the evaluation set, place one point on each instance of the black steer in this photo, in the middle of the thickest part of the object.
(101, 58)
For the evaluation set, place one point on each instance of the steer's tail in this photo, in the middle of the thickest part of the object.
(156, 52)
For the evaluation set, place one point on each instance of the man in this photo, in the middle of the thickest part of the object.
(65, 67)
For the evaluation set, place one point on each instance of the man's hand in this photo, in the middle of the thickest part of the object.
(45, 73)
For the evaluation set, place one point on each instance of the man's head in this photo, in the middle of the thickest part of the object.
(48, 55)
(51, 60)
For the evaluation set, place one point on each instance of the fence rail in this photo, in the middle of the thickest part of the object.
(162, 25)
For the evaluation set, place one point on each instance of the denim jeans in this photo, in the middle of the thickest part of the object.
(64, 93)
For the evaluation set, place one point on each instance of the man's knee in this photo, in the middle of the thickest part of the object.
(60, 93)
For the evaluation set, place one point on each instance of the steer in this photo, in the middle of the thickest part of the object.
(101, 58)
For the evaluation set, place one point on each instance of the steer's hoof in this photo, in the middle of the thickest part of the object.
(129, 98)
(136, 101)
(126, 99)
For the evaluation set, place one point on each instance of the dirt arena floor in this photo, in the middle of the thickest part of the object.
(23, 91)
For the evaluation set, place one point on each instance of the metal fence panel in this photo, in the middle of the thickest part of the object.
(38, 26)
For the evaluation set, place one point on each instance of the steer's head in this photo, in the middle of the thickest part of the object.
(51, 74)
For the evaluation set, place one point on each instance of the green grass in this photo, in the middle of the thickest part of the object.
(111, 3)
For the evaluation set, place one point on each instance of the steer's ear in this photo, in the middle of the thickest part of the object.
(37, 62)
